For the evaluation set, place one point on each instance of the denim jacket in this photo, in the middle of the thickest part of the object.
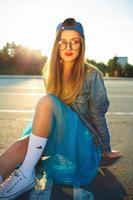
(92, 104)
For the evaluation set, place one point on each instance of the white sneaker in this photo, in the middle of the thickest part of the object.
(16, 185)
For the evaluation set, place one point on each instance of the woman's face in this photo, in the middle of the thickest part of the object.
(69, 45)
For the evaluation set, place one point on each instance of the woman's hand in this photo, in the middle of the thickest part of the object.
(113, 154)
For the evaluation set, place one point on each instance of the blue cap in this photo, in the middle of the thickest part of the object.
(76, 27)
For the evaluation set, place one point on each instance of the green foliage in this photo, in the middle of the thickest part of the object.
(116, 69)
(16, 59)
(113, 69)
(129, 70)
(19, 60)
(101, 66)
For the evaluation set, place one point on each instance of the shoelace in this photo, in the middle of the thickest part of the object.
(10, 182)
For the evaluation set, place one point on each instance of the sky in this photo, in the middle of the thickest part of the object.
(108, 25)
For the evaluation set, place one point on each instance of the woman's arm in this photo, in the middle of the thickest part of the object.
(98, 106)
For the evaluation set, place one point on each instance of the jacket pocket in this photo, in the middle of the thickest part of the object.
(82, 97)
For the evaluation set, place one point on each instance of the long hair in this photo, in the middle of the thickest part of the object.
(53, 71)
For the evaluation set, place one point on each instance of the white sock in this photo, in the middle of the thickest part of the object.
(35, 148)
(1, 179)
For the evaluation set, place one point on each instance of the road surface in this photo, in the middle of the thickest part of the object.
(18, 98)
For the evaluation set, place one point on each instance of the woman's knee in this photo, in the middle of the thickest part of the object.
(43, 117)
(46, 101)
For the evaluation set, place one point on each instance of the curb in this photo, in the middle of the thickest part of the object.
(39, 77)
(21, 76)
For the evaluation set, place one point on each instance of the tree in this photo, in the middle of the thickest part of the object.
(101, 66)
(129, 70)
(16, 59)
(114, 69)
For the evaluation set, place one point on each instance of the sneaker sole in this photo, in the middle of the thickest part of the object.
(109, 166)
(19, 193)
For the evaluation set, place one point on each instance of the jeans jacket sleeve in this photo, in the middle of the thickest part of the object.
(98, 106)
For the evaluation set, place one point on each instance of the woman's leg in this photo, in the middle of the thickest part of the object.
(23, 179)
(38, 138)
(14, 155)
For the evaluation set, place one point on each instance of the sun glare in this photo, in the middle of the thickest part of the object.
(33, 23)
(29, 28)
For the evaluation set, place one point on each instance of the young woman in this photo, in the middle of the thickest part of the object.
(69, 127)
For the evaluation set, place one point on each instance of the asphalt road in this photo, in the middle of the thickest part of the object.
(18, 98)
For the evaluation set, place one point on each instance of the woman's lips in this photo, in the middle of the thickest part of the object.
(68, 53)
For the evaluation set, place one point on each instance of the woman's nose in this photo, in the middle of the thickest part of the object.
(68, 47)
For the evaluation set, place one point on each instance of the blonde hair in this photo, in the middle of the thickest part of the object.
(52, 74)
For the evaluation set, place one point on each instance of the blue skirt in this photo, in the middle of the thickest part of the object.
(70, 156)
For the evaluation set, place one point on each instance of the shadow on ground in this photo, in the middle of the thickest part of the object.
(104, 187)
